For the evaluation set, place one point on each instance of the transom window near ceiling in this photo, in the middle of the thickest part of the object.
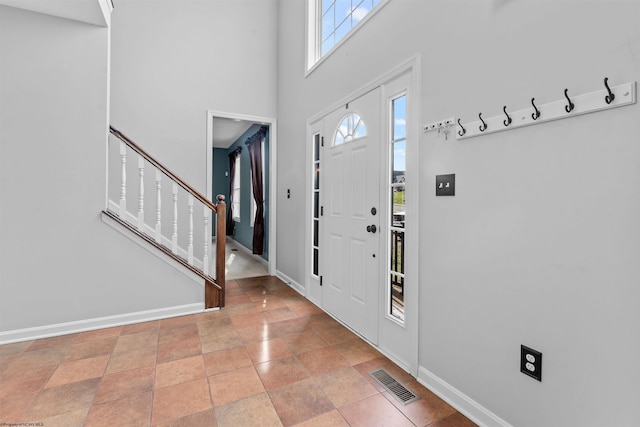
(339, 17)
(332, 21)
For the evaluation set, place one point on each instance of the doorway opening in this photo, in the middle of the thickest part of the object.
(240, 159)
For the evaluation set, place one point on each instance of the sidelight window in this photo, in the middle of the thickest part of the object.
(315, 249)
(397, 179)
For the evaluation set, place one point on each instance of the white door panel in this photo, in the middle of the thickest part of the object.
(352, 182)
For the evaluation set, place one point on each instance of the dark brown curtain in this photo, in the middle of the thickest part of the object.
(232, 173)
(254, 145)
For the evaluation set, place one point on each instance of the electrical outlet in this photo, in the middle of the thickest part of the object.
(531, 362)
(446, 185)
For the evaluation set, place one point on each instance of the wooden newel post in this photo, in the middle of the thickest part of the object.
(221, 243)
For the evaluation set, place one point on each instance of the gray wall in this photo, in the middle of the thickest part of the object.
(173, 60)
(540, 244)
(58, 261)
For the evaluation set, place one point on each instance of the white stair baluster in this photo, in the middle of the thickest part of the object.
(158, 206)
(123, 182)
(207, 240)
(190, 247)
(174, 236)
(141, 194)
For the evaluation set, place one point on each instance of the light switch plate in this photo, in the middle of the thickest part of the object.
(446, 185)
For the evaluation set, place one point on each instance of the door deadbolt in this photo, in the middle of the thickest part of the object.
(372, 228)
(373, 211)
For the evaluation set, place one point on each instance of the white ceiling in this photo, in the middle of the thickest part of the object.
(96, 12)
(227, 131)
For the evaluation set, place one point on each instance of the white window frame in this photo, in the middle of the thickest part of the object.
(236, 190)
(314, 55)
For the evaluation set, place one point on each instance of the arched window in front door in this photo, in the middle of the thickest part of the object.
(350, 128)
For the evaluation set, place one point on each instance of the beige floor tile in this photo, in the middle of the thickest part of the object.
(126, 383)
(299, 402)
(62, 399)
(180, 400)
(252, 411)
(280, 372)
(78, 370)
(226, 360)
(234, 385)
(374, 411)
(134, 411)
(179, 371)
(264, 351)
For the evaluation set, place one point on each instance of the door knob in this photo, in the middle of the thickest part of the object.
(372, 228)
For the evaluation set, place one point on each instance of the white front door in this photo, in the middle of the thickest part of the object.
(351, 183)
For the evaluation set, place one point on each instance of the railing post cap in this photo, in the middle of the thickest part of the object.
(220, 198)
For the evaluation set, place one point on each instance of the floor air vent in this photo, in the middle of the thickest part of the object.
(400, 392)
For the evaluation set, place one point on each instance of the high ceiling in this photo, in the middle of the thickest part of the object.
(227, 131)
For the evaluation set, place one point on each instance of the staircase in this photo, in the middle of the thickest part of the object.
(176, 237)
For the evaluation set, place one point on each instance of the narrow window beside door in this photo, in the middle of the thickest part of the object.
(398, 139)
(316, 205)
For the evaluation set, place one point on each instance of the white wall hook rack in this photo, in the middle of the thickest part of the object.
(439, 125)
(625, 94)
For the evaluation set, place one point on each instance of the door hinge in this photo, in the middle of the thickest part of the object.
(321, 210)
(322, 141)
(320, 280)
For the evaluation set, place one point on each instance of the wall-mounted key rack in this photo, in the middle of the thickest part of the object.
(568, 106)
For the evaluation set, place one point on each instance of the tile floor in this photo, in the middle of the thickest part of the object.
(271, 358)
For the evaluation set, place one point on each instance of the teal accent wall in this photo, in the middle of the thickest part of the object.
(243, 231)
(220, 177)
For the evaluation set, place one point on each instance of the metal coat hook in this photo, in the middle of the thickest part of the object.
(535, 115)
(508, 121)
(463, 131)
(571, 105)
(483, 126)
(609, 98)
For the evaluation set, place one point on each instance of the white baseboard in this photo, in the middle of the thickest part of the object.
(289, 281)
(98, 323)
(463, 403)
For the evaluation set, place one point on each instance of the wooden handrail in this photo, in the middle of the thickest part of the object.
(122, 137)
